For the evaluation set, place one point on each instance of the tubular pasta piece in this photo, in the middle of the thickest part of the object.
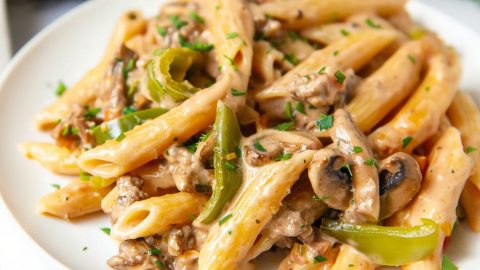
(55, 158)
(388, 86)
(76, 199)
(353, 52)
(420, 117)
(158, 215)
(228, 243)
(298, 14)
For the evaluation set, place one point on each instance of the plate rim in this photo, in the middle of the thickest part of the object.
(11, 67)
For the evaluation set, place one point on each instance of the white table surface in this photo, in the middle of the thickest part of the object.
(16, 249)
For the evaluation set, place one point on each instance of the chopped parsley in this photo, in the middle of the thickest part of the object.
(344, 32)
(128, 110)
(177, 22)
(351, 265)
(106, 230)
(191, 145)
(320, 198)
(232, 63)
(319, 259)
(67, 130)
(300, 107)
(307, 77)
(91, 113)
(162, 31)
(237, 93)
(357, 149)
(160, 264)
(283, 156)
(292, 58)
(199, 19)
(325, 122)
(130, 66)
(406, 141)
(348, 167)
(340, 77)
(259, 146)
(288, 110)
(61, 88)
(470, 149)
(120, 137)
(335, 53)
(285, 126)
(224, 219)
(229, 232)
(84, 248)
(56, 186)
(427, 89)
(154, 251)
(447, 264)
(295, 36)
(196, 46)
(230, 166)
(84, 176)
(370, 162)
(372, 24)
(412, 59)
(322, 70)
(231, 35)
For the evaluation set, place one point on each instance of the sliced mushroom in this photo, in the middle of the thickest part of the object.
(268, 145)
(204, 151)
(400, 180)
(331, 183)
(353, 144)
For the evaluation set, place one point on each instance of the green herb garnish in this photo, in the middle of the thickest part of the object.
(406, 141)
(325, 122)
(224, 219)
(285, 126)
(340, 77)
(237, 93)
(61, 88)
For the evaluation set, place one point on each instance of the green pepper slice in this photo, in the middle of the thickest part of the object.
(228, 177)
(116, 127)
(166, 73)
(389, 246)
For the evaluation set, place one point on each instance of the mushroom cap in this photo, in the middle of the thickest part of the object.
(330, 182)
(400, 180)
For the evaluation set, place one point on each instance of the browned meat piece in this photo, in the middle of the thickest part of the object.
(113, 90)
(320, 90)
(181, 240)
(74, 127)
(137, 255)
(187, 170)
(129, 191)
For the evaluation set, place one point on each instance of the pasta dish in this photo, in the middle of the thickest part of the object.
(332, 131)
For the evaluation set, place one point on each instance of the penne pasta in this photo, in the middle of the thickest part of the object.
(54, 158)
(448, 170)
(471, 204)
(420, 117)
(464, 115)
(238, 229)
(297, 14)
(76, 199)
(388, 86)
(194, 115)
(353, 52)
(157, 215)
(85, 90)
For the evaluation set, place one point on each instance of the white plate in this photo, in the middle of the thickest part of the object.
(64, 51)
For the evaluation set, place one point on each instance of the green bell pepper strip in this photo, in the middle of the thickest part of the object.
(166, 73)
(228, 177)
(116, 127)
(389, 246)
